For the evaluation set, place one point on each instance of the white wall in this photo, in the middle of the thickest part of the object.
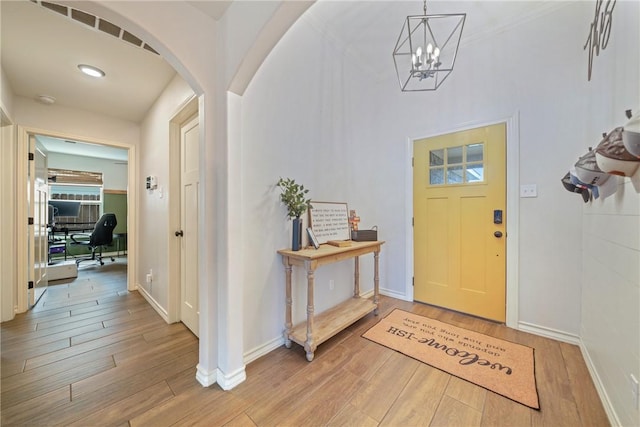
(610, 328)
(349, 143)
(73, 122)
(6, 95)
(7, 201)
(8, 161)
(312, 115)
(295, 123)
(153, 205)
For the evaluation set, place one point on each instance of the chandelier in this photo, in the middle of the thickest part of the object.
(426, 50)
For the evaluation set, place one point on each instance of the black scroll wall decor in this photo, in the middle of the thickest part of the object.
(599, 31)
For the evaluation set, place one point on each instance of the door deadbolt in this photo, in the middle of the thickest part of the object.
(179, 233)
(497, 234)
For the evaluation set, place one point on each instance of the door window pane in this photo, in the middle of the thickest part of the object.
(436, 158)
(454, 155)
(436, 176)
(475, 173)
(457, 165)
(454, 175)
(474, 152)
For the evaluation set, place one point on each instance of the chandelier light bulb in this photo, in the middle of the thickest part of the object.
(430, 48)
(436, 53)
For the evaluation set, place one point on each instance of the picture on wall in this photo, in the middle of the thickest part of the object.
(329, 221)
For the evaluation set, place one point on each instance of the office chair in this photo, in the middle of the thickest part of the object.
(101, 236)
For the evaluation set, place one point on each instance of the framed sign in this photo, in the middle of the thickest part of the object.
(329, 221)
(312, 238)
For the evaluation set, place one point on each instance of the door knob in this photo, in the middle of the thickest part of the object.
(497, 234)
(179, 233)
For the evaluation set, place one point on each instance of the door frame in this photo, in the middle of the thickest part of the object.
(183, 115)
(513, 206)
(23, 133)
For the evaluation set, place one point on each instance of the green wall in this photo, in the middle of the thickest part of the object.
(117, 204)
(113, 203)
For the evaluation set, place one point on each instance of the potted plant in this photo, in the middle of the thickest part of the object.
(294, 198)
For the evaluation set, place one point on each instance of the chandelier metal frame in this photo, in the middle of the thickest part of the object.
(421, 62)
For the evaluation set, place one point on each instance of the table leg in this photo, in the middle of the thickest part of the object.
(310, 345)
(376, 280)
(287, 314)
(356, 277)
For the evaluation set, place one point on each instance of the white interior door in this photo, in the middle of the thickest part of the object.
(37, 196)
(189, 182)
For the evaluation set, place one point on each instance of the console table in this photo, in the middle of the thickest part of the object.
(320, 328)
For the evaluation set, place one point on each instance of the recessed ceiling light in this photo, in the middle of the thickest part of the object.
(91, 71)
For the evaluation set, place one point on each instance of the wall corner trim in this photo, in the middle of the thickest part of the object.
(554, 334)
(600, 389)
(156, 306)
(206, 378)
(229, 381)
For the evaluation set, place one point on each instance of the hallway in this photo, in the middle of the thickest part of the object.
(91, 354)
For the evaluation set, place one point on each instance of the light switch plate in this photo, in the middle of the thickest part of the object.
(529, 190)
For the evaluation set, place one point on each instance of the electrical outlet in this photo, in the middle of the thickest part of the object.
(331, 284)
(635, 391)
(529, 190)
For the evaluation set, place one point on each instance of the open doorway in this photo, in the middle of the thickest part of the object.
(86, 182)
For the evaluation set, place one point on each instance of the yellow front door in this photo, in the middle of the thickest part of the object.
(459, 196)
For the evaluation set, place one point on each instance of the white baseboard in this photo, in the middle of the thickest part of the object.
(229, 381)
(206, 378)
(263, 349)
(576, 340)
(549, 333)
(157, 307)
(274, 343)
(602, 392)
(394, 294)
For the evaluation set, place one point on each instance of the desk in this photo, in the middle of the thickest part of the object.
(119, 238)
(57, 247)
(318, 329)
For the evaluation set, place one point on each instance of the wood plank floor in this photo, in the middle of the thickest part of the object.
(92, 354)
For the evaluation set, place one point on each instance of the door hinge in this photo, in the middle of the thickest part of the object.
(413, 221)
(413, 281)
(30, 284)
(32, 156)
(412, 159)
(30, 220)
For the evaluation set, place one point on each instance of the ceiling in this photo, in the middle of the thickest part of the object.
(41, 49)
(80, 148)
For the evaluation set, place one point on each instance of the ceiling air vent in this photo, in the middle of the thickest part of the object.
(109, 28)
(95, 22)
(150, 49)
(83, 17)
(128, 37)
(62, 10)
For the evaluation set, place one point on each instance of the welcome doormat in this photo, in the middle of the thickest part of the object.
(501, 366)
